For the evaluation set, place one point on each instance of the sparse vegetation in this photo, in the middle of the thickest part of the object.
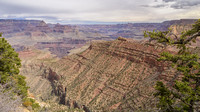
(8, 101)
(184, 93)
(13, 86)
(32, 103)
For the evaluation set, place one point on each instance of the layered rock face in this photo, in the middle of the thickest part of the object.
(33, 69)
(62, 47)
(133, 30)
(36, 28)
(109, 76)
(35, 33)
(22, 33)
(15, 26)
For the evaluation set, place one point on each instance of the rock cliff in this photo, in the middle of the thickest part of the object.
(61, 47)
(114, 75)
(108, 76)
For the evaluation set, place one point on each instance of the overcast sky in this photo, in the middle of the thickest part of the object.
(80, 11)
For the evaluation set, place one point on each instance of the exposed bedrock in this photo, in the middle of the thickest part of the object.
(108, 76)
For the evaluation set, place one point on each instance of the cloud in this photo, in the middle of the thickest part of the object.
(87, 10)
(95, 10)
(20, 8)
(175, 4)
(156, 6)
(183, 4)
(169, 0)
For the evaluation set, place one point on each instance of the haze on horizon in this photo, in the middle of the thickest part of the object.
(99, 11)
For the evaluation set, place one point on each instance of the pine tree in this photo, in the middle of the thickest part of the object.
(184, 95)
(9, 69)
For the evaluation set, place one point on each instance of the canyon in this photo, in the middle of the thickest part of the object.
(88, 66)
(23, 33)
(108, 76)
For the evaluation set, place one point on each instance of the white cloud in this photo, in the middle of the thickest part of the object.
(99, 10)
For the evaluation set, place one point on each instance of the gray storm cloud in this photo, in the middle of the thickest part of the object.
(169, 0)
(181, 4)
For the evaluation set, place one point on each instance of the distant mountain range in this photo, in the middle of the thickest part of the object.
(35, 32)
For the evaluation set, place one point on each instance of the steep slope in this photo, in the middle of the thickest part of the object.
(109, 76)
(32, 68)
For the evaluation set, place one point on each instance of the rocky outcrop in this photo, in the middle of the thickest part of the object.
(63, 28)
(108, 76)
(62, 47)
(43, 27)
(14, 26)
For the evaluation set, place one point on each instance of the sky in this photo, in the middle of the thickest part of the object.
(99, 11)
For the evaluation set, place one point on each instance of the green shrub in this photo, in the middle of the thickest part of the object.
(35, 106)
(31, 102)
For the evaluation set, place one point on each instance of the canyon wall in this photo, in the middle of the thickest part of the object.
(42, 35)
(114, 75)
(108, 76)
(35, 28)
